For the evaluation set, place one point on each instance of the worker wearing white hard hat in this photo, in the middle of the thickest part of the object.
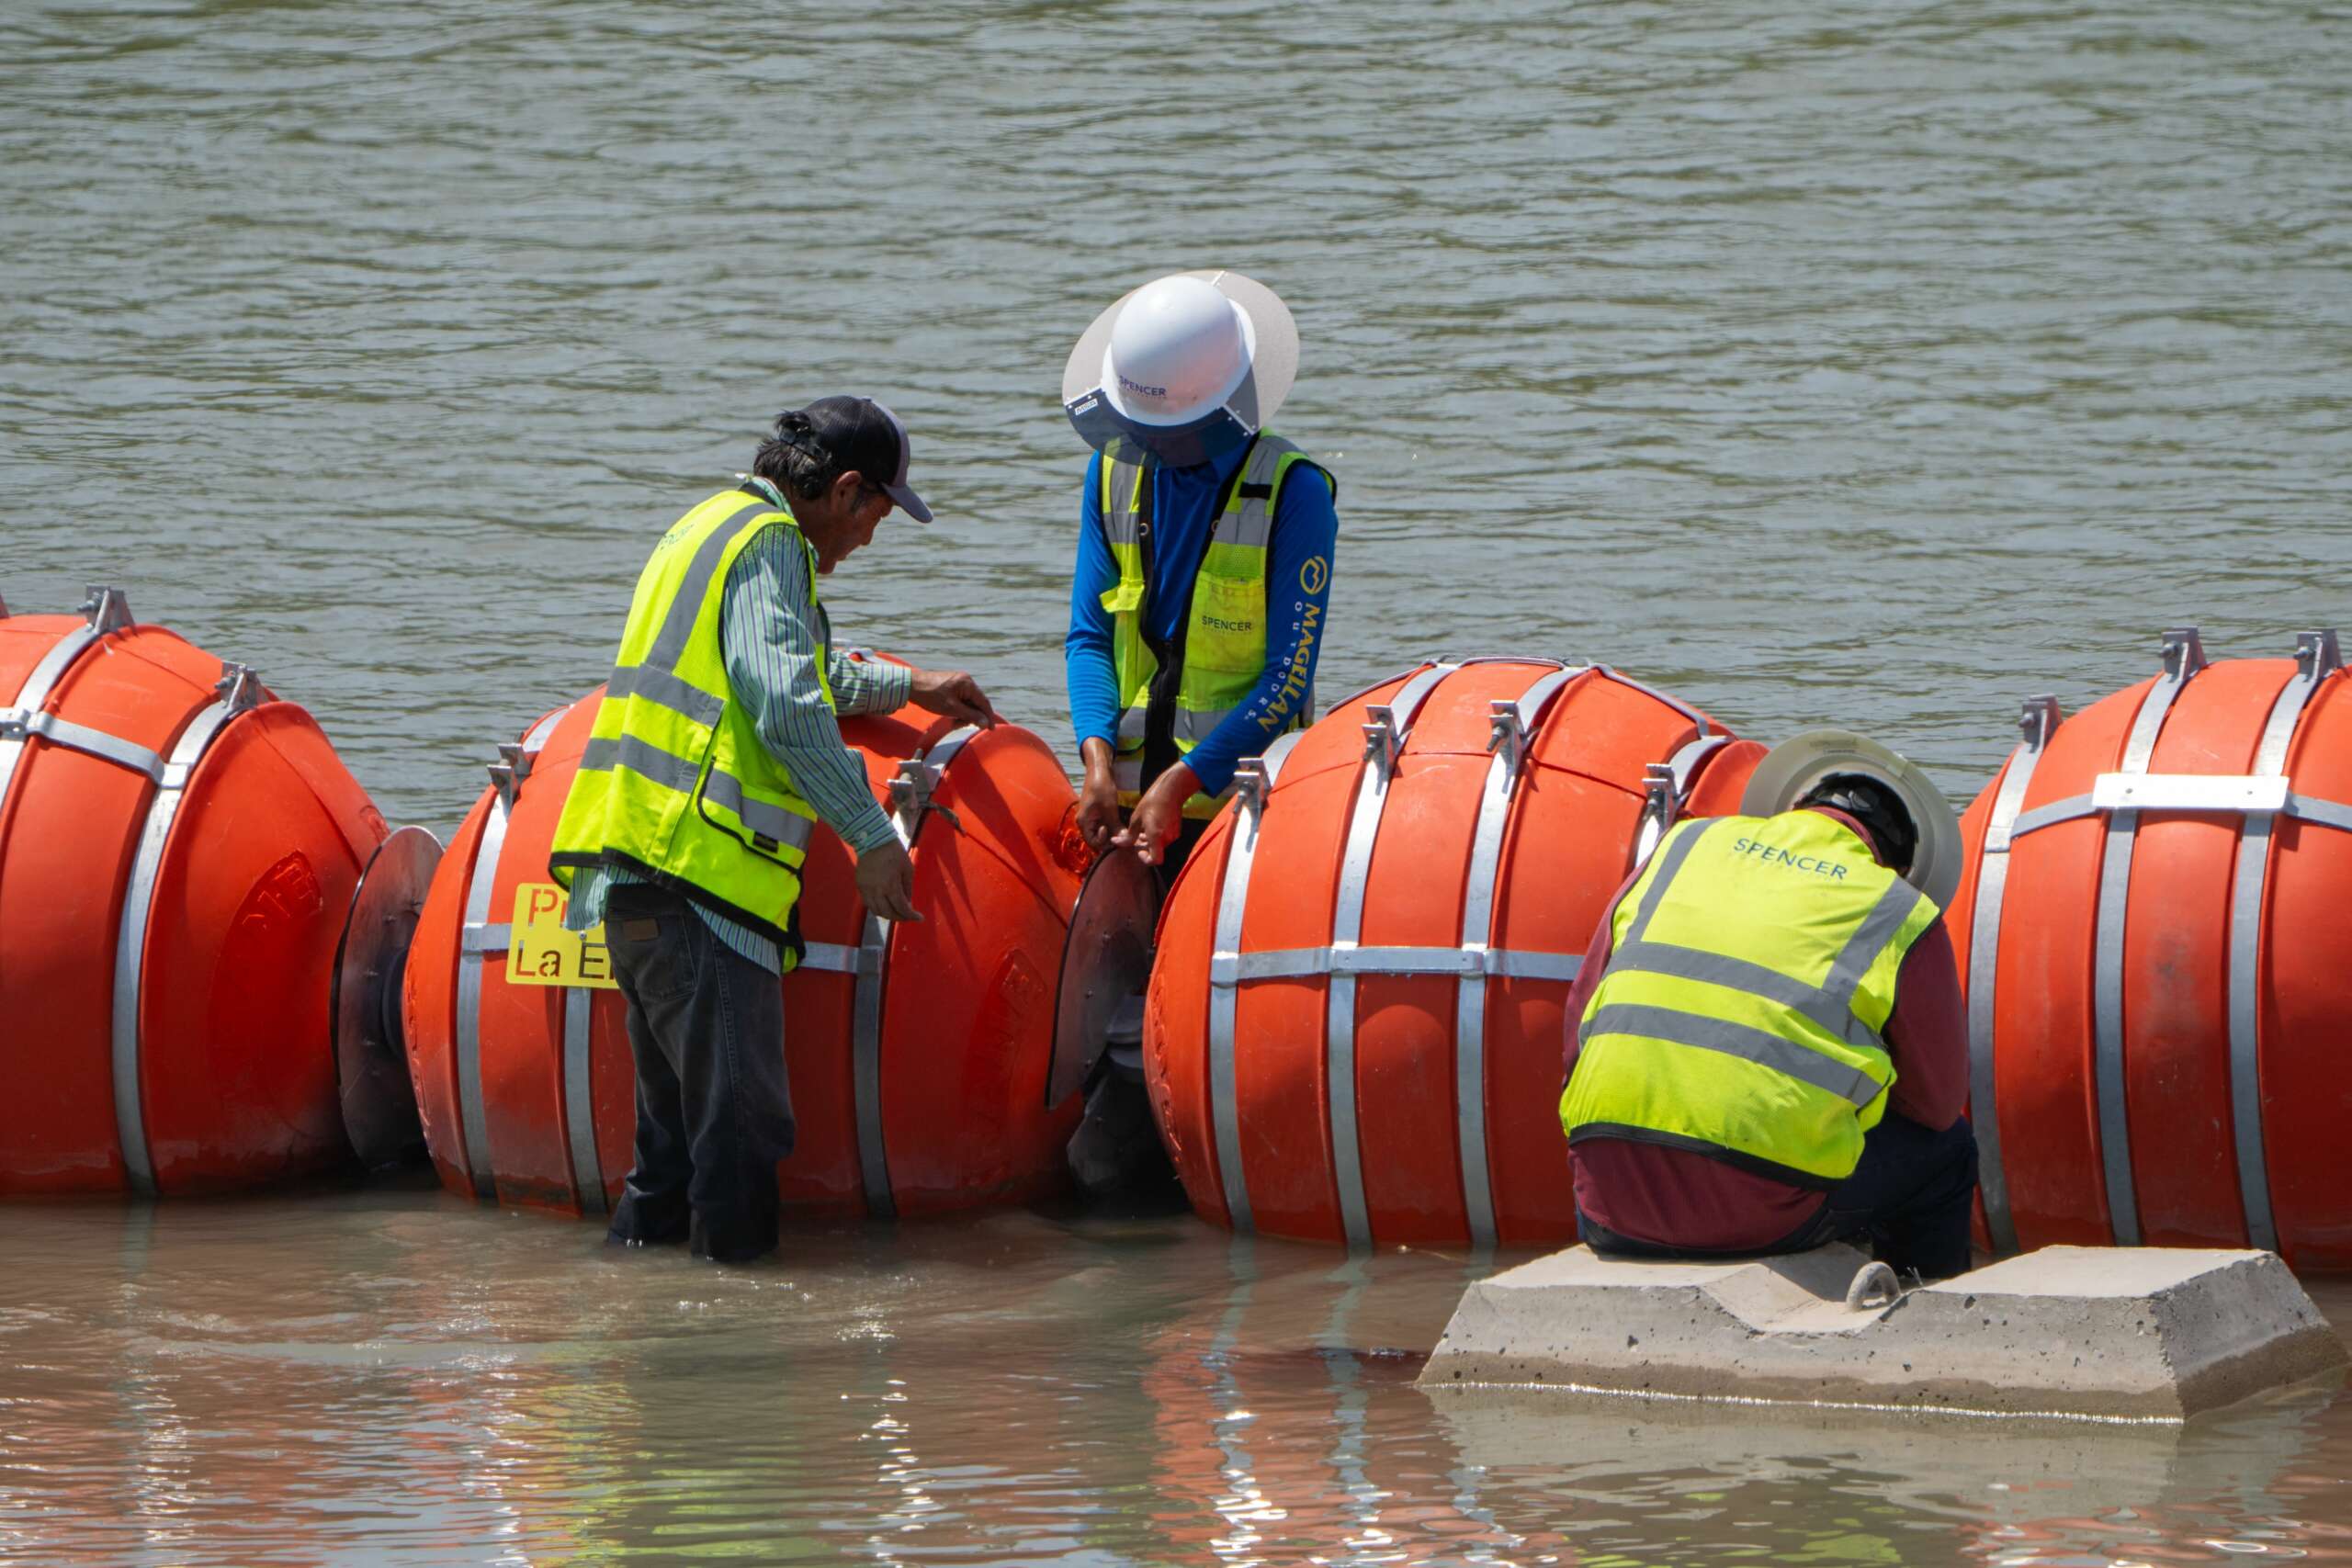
(1205, 555)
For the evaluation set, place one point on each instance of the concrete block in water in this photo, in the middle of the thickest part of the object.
(2113, 1332)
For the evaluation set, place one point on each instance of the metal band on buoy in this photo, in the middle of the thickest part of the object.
(1253, 780)
(579, 1102)
(1384, 740)
(2037, 723)
(240, 693)
(480, 937)
(1513, 729)
(910, 792)
(106, 611)
(2317, 657)
(2184, 656)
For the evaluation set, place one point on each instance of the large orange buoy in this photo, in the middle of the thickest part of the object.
(916, 1053)
(1353, 1029)
(2155, 953)
(179, 853)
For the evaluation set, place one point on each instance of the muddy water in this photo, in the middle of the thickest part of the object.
(402, 1377)
(1881, 363)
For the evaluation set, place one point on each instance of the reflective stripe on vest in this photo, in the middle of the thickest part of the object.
(1716, 955)
(1225, 637)
(674, 782)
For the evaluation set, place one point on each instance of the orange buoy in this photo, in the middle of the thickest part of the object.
(1354, 1029)
(179, 853)
(917, 1053)
(2153, 940)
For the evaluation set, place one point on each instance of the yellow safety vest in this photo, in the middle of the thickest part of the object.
(1754, 965)
(1225, 637)
(675, 784)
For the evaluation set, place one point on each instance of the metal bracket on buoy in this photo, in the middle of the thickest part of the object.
(501, 779)
(1382, 738)
(1507, 736)
(1661, 808)
(2318, 654)
(240, 687)
(1249, 788)
(107, 609)
(2184, 652)
(512, 753)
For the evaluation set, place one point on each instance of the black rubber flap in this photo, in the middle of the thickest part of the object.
(370, 1051)
(1107, 960)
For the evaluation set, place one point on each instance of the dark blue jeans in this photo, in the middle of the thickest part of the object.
(713, 1111)
(1907, 1202)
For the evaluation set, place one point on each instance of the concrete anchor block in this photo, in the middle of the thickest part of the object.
(2142, 1334)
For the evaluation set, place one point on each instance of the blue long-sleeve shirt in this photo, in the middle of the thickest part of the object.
(1183, 513)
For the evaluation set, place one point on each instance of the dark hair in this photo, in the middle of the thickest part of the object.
(795, 460)
(1878, 808)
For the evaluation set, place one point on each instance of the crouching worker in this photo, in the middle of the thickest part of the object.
(1769, 1051)
(714, 756)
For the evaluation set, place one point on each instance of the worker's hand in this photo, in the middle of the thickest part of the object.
(954, 693)
(886, 880)
(1098, 797)
(1160, 816)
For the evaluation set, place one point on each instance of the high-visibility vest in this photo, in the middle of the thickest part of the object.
(1225, 637)
(675, 784)
(1754, 965)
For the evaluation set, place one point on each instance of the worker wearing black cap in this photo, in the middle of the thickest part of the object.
(714, 755)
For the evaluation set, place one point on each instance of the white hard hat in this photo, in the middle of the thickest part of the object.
(1185, 367)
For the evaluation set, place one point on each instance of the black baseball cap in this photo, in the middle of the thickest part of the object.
(863, 434)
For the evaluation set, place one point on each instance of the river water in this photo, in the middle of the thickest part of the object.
(1875, 363)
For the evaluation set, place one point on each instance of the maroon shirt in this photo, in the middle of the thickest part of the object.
(1676, 1198)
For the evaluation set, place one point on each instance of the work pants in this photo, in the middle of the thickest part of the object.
(713, 1111)
(1908, 1202)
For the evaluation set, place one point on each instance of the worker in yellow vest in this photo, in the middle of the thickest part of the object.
(714, 755)
(1769, 1050)
(1204, 556)
(1197, 608)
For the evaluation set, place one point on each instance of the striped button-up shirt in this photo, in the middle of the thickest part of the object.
(770, 627)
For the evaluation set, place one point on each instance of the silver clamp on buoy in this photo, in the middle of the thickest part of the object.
(239, 687)
(1507, 734)
(1874, 1285)
(109, 609)
(2184, 652)
(2317, 654)
(510, 752)
(501, 779)
(2037, 720)
(1250, 784)
(1382, 738)
(1661, 808)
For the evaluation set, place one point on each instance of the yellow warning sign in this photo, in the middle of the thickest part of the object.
(542, 953)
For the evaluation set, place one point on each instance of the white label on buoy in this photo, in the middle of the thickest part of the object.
(544, 954)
